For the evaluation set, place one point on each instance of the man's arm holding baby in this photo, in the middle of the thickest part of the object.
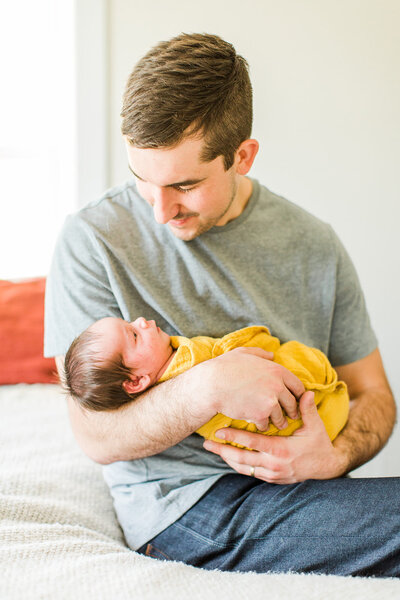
(309, 453)
(167, 413)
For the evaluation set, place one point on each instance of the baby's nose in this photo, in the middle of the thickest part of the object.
(141, 322)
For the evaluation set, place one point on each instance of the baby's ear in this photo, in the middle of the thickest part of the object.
(137, 384)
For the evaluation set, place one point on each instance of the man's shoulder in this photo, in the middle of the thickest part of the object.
(118, 198)
(285, 208)
(290, 222)
(118, 212)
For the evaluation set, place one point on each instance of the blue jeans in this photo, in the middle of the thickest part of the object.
(341, 526)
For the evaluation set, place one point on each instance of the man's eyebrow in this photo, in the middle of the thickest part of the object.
(173, 185)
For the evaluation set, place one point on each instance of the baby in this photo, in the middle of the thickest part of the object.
(113, 360)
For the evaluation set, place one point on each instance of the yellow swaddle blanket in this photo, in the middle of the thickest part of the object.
(309, 364)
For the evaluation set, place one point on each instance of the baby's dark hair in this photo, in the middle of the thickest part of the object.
(94, 382)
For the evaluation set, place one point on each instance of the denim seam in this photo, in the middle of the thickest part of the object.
(271, 536)
(204, 539)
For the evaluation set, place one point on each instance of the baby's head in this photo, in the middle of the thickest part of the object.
(113, 360)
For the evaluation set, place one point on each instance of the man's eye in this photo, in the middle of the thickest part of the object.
(184, 190)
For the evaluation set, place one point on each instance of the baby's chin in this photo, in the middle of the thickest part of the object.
(165, 366)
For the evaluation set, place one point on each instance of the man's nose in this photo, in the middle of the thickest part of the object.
(164, 205)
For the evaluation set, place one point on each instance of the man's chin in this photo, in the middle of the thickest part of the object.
(192, 230)
(186, 235)
(188, 232)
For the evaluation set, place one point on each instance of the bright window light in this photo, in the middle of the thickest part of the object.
(37, 132)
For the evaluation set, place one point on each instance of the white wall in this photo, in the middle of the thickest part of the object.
(327, 97)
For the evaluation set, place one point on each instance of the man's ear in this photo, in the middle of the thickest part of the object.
(245, 156)
(137, 384)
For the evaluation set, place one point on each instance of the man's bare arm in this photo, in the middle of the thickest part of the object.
(372, 411)
(154, 421)
(169, 412)
(309, 453)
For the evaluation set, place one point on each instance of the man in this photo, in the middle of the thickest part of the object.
(203, 249)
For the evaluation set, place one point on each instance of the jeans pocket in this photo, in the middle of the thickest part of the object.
(154, 552)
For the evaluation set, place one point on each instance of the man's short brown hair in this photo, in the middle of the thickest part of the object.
(191, 84)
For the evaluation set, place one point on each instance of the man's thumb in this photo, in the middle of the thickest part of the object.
(308, 409)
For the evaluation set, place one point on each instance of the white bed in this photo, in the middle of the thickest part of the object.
(59, 538)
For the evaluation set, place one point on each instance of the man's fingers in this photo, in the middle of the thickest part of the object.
(257, 352)
(233, 454)
(256, 441)
(308, 410)
(310, 416)
(292, 382)
(260, 472)
(307, 405)
(289, 403)
(261, 425)
(278, 418)
(242, 460)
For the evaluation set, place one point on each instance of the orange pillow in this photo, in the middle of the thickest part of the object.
(21, 333)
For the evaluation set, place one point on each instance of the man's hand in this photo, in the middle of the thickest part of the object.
(246, 384)
(308, 453)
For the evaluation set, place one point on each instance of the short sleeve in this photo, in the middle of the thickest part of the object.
(352, 336)
(78, 291)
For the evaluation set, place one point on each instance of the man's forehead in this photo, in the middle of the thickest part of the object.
(179, 165)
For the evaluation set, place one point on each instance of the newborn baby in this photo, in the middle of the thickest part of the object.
(114, 360)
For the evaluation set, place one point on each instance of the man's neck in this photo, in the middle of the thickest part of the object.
(242, 196)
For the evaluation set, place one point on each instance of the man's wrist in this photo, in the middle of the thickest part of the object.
(201, 390)
(340, 464)
(343, 456)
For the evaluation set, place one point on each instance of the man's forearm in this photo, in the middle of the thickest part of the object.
(154, 421)
(371, 420)
(169, 412)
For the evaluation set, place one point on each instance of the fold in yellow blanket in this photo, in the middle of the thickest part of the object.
(309, 364)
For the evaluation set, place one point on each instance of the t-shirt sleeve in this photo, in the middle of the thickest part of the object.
(78, 291)
(352, 336)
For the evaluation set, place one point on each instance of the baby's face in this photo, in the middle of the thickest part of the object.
(144, 347)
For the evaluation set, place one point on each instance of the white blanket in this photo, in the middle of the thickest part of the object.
(59, 538)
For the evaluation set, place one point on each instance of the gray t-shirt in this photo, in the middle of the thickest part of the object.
(275, 265)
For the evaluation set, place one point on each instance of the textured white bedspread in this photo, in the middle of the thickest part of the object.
(59, 538)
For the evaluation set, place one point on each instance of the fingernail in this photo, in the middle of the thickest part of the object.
(264, 429)
(220, 434)
(207, 445)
